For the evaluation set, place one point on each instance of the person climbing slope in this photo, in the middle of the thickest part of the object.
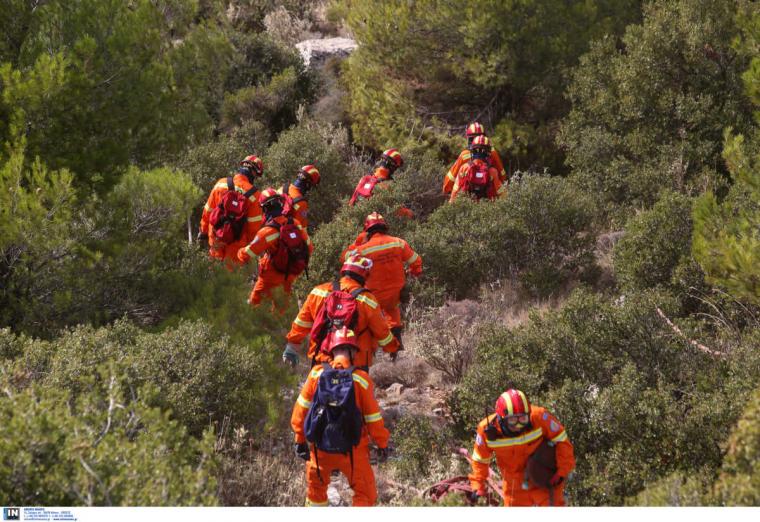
(390, 161)
(337, 413)
(307, 178)
(478, 177)
(473, 130)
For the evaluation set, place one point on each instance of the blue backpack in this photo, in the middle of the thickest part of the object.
(334, 422)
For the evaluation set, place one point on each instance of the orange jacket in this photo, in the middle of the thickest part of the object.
(371, 327)
(391, 256)
(255, 214)
(464, 157)
(364, 389)
(512, 452)
(499, 188)
(265, 244)
(300, 203)
(383, 175)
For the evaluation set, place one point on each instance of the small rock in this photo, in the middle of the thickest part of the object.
(438, 412)
(394, 389)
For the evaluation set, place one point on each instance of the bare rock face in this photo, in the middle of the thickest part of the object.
(316, 52)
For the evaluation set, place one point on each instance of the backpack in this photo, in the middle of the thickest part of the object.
(338, 310)
(365, 187)
(477, 180)
(228, 218)
(292, 254)
(334, 422)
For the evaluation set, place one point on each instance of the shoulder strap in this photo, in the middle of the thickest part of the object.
(274, 224)
(355, 293)
(230, 183)
(250, 192)
(336, 286)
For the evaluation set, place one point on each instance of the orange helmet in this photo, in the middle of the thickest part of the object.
(342, 337)
(269, 195)
(474, 129)
(357, 265)
(512, 402)
(311, 173)
(480, 142)
(374, 220)
(253, 162)
(393, 156)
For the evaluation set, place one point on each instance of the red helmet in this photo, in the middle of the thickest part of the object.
(474, 129)
(373, 220)
(311, 173)
(358, 265)
(268, 195)
(394, 156)
(512, 402)
(255, 163)
(481, 142)
(343, 337)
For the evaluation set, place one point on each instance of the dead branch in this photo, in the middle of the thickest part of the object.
(695, 344)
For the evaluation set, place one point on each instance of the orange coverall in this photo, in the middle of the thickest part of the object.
(371, 326)
(265, 245)
(300, 210)
(390, 257)
(464, 157)
(512, 453)
(254, 221)
(361, 477)
(383, 174)
(498, 187)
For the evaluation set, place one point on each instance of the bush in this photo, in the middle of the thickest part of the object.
(202, 377)
(423, 450)
(105, 447)
(655, 243)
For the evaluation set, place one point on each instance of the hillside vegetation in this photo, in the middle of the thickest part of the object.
(617, 284)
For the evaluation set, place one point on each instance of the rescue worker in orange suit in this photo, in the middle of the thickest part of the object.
(474, 129)
(307, 178)
(512, 434)
(342, 348)
(391, 258)
(390, 161)
(480, 150)
(265, 244)
(371, 325)
(250, 169)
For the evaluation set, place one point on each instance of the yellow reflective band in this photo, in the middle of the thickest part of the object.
(320, 292)
(254, 219)
(450, 175)
(221, 185)
(373, 417)
(466, 155)
(361, 380)
(270, 237)
(249, 251)
(378, 248)
(367, 301)
(311, 503)
(303, 324)
(316, 371)
(253, 198)
(559, 438)
(412, 259)
(386, 341)
(303, 402)
(206, 207)
(515, 441)
(477, 458)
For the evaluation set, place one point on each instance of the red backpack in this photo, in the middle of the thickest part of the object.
(228, 218)
(365, 187)
(338, 310)
(292, 254)
(477, 180)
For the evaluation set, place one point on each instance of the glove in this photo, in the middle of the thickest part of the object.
(290, 355)
(382, 455)
(302, 451)
(474, 496)
(202, 237)
(556, 480)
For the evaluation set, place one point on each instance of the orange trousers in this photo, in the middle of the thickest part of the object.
(268, 280)
(361, 478)
(515, 495)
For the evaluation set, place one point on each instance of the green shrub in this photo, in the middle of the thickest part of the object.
(105, 447)
(422, 448)
(655, 243)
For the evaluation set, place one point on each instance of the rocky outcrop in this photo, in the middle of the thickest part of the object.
(316, 52)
